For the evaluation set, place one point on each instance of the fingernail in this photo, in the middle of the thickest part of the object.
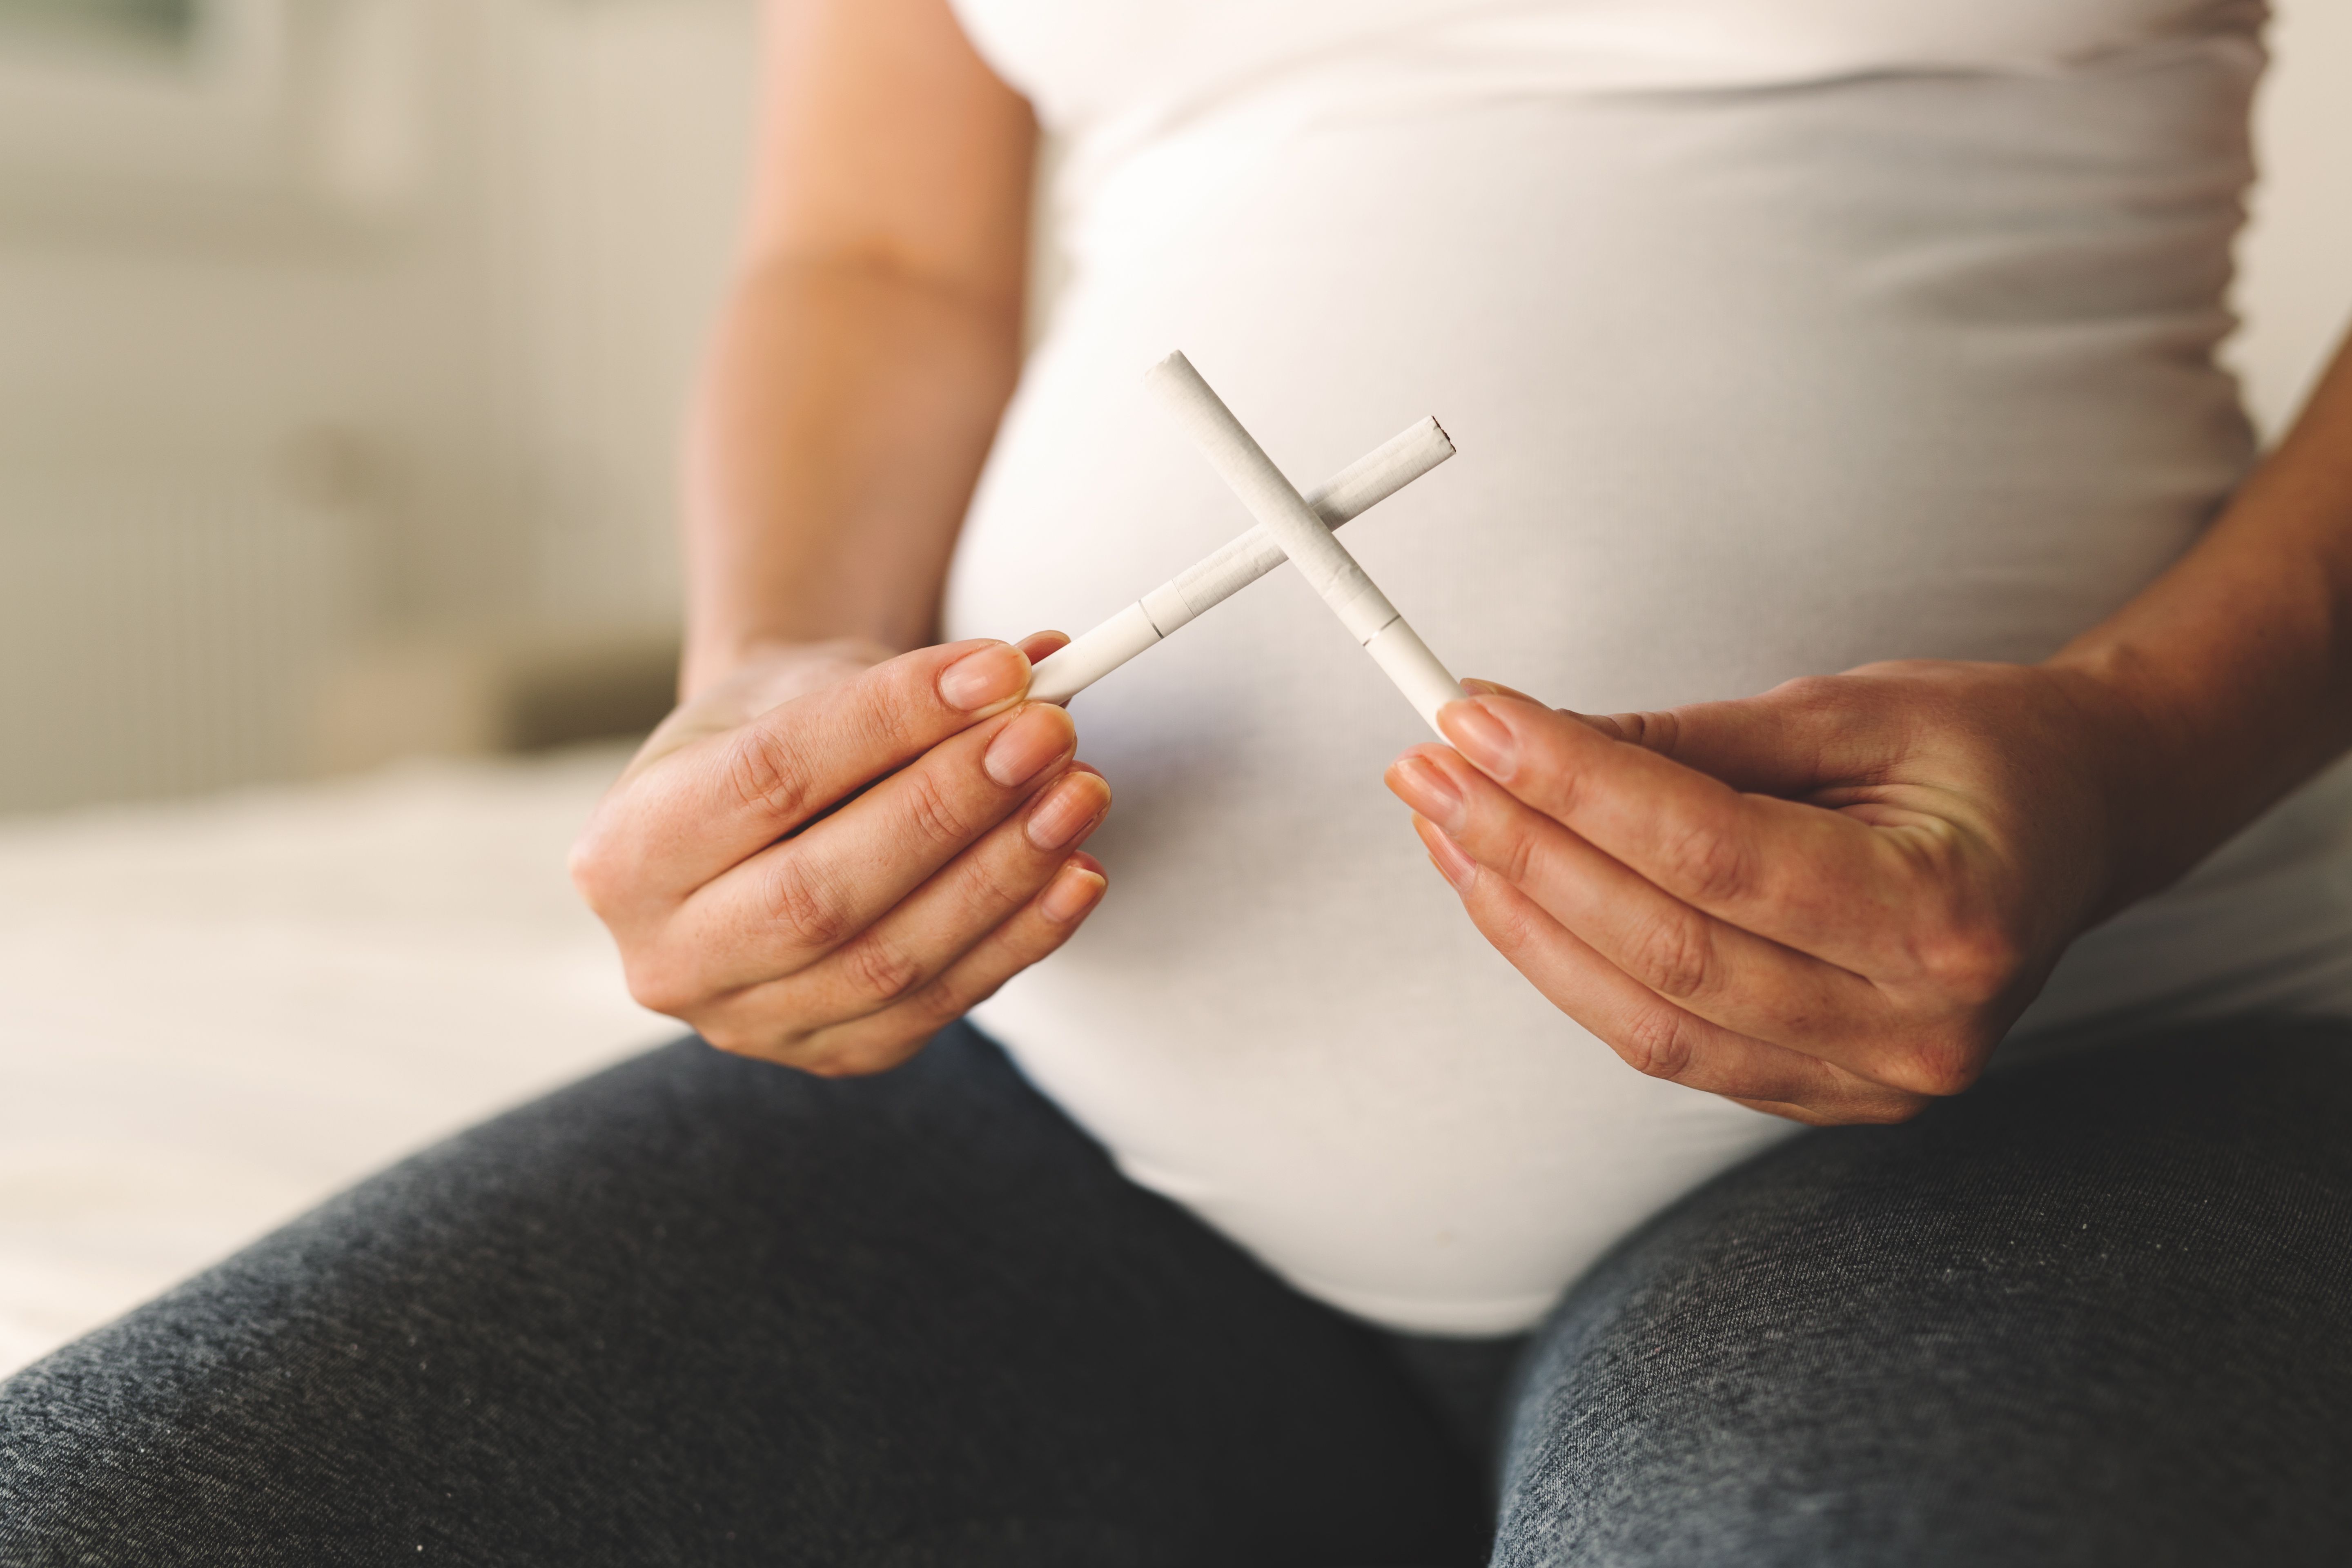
(1452, 864)
(980, 678)
(1023, 748)
(1480, 736)
(1423, 786)
(1068, 809)
(1072, 891)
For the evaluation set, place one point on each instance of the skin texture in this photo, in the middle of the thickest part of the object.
(1827, 902)
(871, 339)
(1831, 901)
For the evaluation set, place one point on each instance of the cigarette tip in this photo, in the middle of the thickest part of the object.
(1442, 436)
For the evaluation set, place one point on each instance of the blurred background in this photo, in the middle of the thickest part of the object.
(342, 348)
(342, 344)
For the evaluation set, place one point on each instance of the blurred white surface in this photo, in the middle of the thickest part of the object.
(213, 1014)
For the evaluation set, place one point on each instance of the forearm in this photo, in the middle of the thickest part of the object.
(2228, 682)
(841, 427)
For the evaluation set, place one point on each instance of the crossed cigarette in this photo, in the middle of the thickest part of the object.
(1289, 527)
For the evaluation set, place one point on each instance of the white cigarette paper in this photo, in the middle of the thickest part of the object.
(1287, 518)
(1345, 496)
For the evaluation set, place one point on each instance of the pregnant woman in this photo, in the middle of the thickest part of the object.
(1267, 1209)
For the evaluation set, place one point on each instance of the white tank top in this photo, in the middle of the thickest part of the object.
(1776, 336)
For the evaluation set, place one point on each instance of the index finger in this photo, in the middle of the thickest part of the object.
(1810, 878)
(724, 798)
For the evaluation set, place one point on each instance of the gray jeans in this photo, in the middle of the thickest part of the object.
(696, 1310)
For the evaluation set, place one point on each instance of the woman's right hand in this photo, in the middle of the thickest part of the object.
(829, 855)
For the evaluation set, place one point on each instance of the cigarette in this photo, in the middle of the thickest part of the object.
(1287, 518)
(1344, 496)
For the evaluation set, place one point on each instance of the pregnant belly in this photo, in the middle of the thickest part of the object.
(1745, 387)
(1741, 391)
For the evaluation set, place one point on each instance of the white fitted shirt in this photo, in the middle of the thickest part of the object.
(1777, 336)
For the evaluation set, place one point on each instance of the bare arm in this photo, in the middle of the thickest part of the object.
(827, 853)
(871, 340)
(2235, 667)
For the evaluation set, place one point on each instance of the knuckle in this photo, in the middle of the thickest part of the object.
(993, 891)
(932, 805)
(1709, 866)
(891, 711)
(1510, 924)
(880, 972)
(1823, 705)
(1935, 1068)
(935, 1007)
(659, 988)
(1514, 853)
(601, 863)
(889, 705)
(588, 866)
(1971, 961)
(1673, 954)
(801, 905)
(1814, 693)
(1657, 731)
(765, 773)
(1657, 1041)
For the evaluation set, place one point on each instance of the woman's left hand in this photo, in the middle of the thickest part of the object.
(1828, 902)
